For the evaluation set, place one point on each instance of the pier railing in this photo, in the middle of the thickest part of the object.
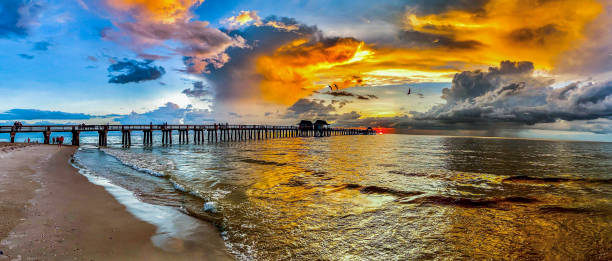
(200, 133)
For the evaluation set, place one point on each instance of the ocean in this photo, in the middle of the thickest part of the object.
(381, 197)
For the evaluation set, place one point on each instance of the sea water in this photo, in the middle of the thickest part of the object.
(382, 197)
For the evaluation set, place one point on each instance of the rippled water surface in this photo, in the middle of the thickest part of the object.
(383, 197)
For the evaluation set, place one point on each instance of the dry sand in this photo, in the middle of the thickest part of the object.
(48, 211)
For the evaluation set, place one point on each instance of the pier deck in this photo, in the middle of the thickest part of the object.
(199, 133)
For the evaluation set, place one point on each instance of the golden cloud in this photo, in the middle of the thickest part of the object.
(538, 31)
(251, 17)
(290, 73)
(243, 18)
(162, 11)
(435, 47)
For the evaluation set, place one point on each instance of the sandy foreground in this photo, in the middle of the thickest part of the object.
(48, 211)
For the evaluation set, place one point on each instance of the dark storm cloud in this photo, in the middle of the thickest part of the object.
(313, 109)
(440, 6)
(471, 84)
(310, 108)
(26, 56)
(536, 36)
(32, 114)
(510, 93)
(509, 97)
(16, 16)
(127, 71)
(340, 103)
(233, 79)
(198, 91)
(340, 94)
(41, 46)
(413, 38)
(348, 94)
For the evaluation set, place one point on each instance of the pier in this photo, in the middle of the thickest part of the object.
(199, 133)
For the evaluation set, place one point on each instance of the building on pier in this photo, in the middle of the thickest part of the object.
(319, 128)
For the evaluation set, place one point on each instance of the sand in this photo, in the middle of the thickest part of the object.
(48, 211)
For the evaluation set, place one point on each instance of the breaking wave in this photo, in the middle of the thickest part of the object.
(468, 202)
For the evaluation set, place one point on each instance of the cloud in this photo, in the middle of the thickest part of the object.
(310, 109)
(349, 94)
(511, 93)
(340, 94)
(145, 24)
(33, 114)
(289, 73)
(593, 54)
(442, 6)
(238, 81)
(243, 18)
(471, 84)
(416, 39)
(313, 109)
(494, 30)
(170, 113)
(41, 46)
(17, 16)
(251, 18)
(198, 91)
(127, 71)
(26, 56)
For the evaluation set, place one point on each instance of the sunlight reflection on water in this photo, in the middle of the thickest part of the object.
(392, 197)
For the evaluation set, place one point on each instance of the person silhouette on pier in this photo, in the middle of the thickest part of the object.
(53, 140)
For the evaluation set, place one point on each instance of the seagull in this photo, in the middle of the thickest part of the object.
(332, 89)
(336, 86)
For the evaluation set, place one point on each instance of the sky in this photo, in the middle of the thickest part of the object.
(517, 68)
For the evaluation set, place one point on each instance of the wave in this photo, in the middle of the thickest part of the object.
(126, 161)
(263, 162)
(382, 190)
(468, 202)
(530, 179)
(568, 210)
(178, 186)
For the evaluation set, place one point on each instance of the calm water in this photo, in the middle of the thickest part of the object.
(384, 197)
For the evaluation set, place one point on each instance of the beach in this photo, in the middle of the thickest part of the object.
(48, 211)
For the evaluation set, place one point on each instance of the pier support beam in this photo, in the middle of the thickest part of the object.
(147, 137)
(13, 137)
(126, 138)
(102, 138)
(166, 136)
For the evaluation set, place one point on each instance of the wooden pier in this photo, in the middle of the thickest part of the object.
(199, 133)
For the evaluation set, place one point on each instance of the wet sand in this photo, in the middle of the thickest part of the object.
(48, 211)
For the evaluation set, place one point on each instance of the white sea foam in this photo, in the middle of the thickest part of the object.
(172, 225)
(152, 165)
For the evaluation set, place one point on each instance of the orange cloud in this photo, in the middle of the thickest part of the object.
(164, 11)
(433, 48)
(146, 23)
(538, 31)
(290, 73)
(243, 18)
(251, 17)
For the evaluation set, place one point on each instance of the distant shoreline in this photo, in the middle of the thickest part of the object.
(51, 212)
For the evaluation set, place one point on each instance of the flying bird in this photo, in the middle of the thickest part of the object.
(336, 86)
(332, 89)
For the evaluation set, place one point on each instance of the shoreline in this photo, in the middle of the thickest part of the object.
(50, 211)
